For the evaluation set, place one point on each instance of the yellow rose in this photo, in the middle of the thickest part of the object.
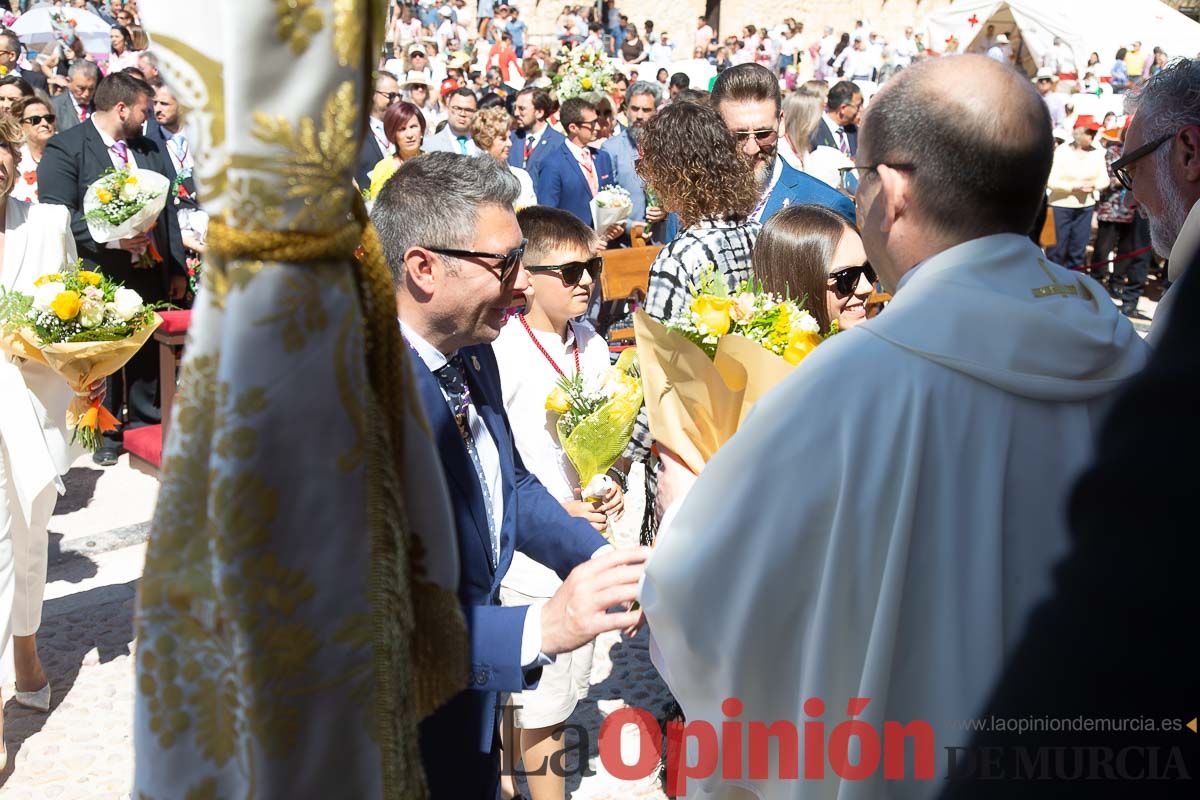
(88, 278)
(558, 401)
(800, 346)
(131, 180)
(104, 196)
(51, 278)
(66, 305)
(713, 313)
(586, 83)
(783, 323)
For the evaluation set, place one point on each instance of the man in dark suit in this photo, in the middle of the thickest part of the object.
(10, 54)
(454, 247)
(112, 138)
(572, 173)
(533, 137)
(838, 126)
(375, 143)
(75, 104)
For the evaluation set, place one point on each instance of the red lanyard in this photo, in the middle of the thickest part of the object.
(542, 350)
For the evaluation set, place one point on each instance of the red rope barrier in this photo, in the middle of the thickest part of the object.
(1114, 259)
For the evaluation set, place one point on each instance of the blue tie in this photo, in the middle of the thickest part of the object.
(451, 378)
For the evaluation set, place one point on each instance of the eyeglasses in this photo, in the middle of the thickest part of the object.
(508, 261)
(845, 280)
(851, 177)
(392, 97)
(765, 136)
(590, 124)
(573, 271)
(1122, 167)
(38, 118)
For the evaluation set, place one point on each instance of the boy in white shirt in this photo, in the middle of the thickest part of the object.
(548, 341)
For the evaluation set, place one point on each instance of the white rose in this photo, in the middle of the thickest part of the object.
(91, 314)
(126, 303)
(808, 323)
(44, 295)
(129, 191)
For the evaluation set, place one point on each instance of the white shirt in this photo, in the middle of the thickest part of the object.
(377, 130)
(526, 378)
(117, 163)
(489, 462)
(662, 53)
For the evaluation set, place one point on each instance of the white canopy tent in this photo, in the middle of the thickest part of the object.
(1085, 26)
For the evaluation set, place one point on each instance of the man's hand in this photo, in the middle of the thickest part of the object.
(134, 244)
(588, 512)
(613, 232)
(577, 613)
(655, 214)
(178, 288)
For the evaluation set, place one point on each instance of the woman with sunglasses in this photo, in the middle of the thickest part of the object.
(549, 341)
(37, 125)
(812, 253)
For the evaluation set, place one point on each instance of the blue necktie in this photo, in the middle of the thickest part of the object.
(451, 377)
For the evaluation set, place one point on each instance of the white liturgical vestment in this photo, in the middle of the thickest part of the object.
(884, 521)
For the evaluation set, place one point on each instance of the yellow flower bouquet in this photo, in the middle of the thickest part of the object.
(703, 370)
(84, 327)
(596, 417)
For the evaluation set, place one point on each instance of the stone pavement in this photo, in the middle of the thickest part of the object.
(83, 749)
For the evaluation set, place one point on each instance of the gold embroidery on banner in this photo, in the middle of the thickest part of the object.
(296, 21)
(316, 161)
(349, 376)
(301, 309)
(347, 31)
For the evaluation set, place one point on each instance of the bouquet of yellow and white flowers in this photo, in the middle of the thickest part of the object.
(124, 202)
(596, 417)
(84, 327)
(583, 69)
(704, 369)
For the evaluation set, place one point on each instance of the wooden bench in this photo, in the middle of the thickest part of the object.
(626, 276)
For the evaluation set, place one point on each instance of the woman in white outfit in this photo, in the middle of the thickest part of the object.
(34, 443)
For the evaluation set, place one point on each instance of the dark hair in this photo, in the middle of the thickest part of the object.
(842, 44)
(397, 117)
(1121, 53)
(18, 107)
(840, 94)
(692, 161)
(746, 82)
(125, 35)
(693, 96)
(680, 80)
(793, 252)
(121, 87)
(14, 42)
(977, 172)
(548, 228)
(490, 100)
(540, 98)
(462, 91)
(14, 79)
(571, 112)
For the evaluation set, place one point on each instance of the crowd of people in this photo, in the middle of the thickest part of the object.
(842, 171)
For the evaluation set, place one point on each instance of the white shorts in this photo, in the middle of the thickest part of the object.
(564, 683)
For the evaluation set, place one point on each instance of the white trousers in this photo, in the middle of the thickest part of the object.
(23, 556)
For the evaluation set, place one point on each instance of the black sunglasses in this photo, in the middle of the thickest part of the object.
(392, 97)
(761, 137)
(573, 272)
(38, 118)
(1121, 167)
(844, 280)
(508, 261)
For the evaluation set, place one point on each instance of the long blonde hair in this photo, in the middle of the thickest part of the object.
(801, 113)
(11, 137)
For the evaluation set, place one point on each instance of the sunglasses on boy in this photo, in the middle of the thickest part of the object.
(573, 272)
(844, 280)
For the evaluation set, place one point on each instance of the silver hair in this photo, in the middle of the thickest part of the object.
(85, 68)
(150, 57)
(644, 87)
(434, 200)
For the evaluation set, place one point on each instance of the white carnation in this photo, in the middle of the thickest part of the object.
(808, 323)
(44, 295)
(126, 304)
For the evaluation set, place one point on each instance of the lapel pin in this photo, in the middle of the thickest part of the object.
(475, 362)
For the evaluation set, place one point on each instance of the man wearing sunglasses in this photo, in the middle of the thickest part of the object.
(455, 250)
(948, 432)
(1161, 166)
(573, 172)
(748, 99)
(375, 143)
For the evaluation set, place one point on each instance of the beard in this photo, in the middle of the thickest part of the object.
(634, 130)
(763, 164)
(1165, 227)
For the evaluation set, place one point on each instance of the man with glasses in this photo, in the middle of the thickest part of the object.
(1161, 166)
(748, 99)
(455, 250)
(456, 136)
(838, 126)
(375, 144)
(572, 174)
(10, 56)
(942, 438)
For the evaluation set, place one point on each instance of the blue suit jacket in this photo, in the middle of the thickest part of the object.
(458, 743)
(516, 156)
(796, 188)
(562, 184)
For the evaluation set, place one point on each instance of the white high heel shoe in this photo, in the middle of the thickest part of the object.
(38, 701)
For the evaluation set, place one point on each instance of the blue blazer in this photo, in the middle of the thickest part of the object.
(795, 188)
(516, 156)
(458, 744)
(562, 184)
